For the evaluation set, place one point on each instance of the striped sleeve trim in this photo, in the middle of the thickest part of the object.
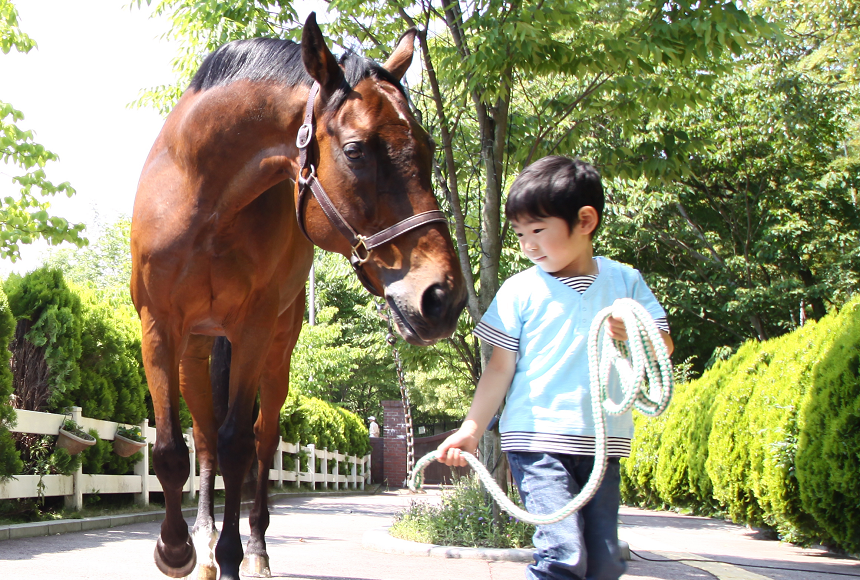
(496, 337)
(567, 444)
(662, 323)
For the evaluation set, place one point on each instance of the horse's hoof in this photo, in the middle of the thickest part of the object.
(256, 566)
(207, 572)
(173, 566)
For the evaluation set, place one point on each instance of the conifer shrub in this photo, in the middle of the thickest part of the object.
(48, 316)
(769, 437)
(828, 448)
(100, 458)
(10, 460)
(113, 385)
(681, 478)
(637, 471)
(729, 442)
(771, 428)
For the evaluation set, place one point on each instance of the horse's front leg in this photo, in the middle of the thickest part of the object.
(198, 394)
(174, 552)
(274, 386)
(236, 435)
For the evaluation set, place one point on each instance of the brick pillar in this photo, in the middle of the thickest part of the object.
(394, 437)
(377, 459)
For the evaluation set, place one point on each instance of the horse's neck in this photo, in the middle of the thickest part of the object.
(238, 140)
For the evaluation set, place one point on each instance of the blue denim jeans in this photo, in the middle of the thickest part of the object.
(583, 546)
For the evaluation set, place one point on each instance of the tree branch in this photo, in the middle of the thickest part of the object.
(452, 188)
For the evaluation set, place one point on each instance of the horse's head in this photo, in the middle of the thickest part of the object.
(373, 161)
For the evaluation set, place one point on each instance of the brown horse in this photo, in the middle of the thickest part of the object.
(230, 200)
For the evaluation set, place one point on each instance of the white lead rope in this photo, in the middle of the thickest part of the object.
(645, 373)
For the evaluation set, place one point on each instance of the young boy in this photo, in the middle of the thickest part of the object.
(538, 325)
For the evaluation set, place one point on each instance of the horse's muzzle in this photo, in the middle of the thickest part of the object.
(423, 318)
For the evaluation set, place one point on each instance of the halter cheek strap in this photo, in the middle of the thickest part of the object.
(362, 246)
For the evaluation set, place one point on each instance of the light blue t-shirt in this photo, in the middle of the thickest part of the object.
(550, 390)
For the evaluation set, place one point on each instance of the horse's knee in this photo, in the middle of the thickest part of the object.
(235, 448)
(170, 460)
(266, 443)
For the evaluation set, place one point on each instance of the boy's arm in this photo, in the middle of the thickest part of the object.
(492, 388)
(670, 345)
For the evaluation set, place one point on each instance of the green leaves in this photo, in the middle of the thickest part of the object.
(11, 36)
(760, 221)
(201, 26)
(24, 218)
(824, 34)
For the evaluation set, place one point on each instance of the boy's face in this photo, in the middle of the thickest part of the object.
(549, 245)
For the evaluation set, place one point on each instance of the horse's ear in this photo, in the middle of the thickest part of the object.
(401, 58)
(318, 59)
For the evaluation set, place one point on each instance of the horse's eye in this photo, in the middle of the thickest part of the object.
(353, 151)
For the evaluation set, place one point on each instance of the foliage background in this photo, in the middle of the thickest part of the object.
(727, 136)
(724, 132)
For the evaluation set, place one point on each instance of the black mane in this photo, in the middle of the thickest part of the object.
(272, 59)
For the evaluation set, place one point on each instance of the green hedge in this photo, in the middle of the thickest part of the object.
(769, 437)
(311, 420)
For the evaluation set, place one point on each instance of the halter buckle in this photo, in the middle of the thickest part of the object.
(303, 137)
(358, 259)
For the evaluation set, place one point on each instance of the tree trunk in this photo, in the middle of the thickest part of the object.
(29, 371)
(818, 308)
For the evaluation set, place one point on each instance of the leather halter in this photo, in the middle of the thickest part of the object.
(361, 245)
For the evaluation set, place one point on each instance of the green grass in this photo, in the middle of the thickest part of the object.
(464, 518)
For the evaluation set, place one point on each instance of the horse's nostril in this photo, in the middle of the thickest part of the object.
(433, 303)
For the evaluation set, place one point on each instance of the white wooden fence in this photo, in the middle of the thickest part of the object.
(74, 486)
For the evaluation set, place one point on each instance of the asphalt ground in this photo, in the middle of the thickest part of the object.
(341, 537)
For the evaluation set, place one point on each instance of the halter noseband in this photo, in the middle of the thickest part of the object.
(361, 245)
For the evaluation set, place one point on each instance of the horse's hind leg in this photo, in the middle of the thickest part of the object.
(274, 386)
(196, 389)
(174, 552)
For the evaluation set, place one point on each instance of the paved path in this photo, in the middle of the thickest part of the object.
(320, 538)
(666, 535)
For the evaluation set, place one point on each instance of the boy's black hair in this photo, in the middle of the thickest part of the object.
(556, 186)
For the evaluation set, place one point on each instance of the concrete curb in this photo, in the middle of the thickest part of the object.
(53, 527)
(380, 540)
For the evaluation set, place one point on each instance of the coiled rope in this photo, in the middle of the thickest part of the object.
(645, 373)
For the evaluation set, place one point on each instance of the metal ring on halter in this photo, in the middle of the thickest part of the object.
(305, 181)
(359, 244)
(304, 136)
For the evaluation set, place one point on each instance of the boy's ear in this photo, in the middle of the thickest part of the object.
(588, 220)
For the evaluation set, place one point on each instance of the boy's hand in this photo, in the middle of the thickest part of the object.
(463, 439)
(615, 328)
